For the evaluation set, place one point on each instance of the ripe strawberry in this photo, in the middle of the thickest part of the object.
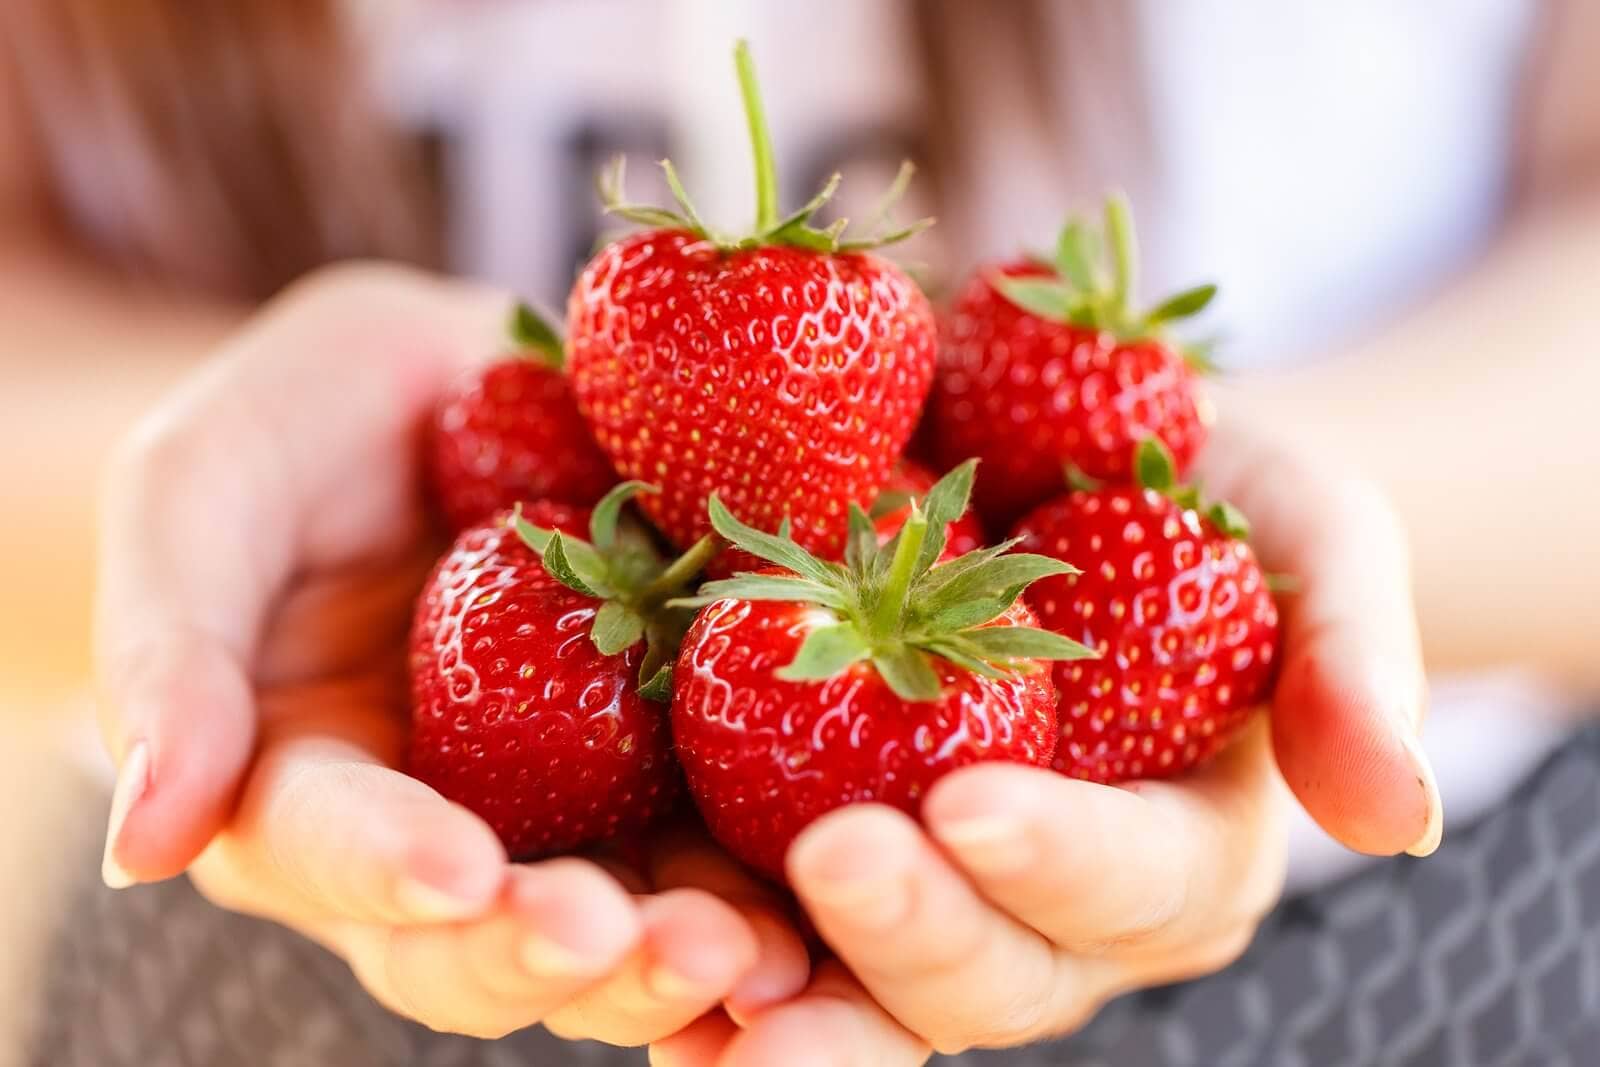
(911, 480)
(782, 371)
(1179, 610)
(802, 689)
(526, 704)
(1042, 366)
(511, 432)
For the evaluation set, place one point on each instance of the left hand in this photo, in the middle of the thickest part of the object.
(1030, 899)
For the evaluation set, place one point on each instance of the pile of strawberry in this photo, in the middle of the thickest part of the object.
(736, 408)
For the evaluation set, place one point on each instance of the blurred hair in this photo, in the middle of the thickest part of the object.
(226, 145)
(232, 145)
(1067, 117)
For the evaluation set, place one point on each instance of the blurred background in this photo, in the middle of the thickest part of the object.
(1411, 188)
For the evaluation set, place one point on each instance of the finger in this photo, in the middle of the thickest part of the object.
(693, 951)
(687, 858)
(1098, 869)
(324, 830)
(182, 730)
(834, 1023)
(700, 1044)
(238, 480)
(559, 928)
(1351, 689)
(926, 946)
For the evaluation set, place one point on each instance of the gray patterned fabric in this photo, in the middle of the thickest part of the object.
(1486, 954)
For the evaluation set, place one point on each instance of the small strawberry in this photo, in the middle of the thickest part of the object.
(1042, 366)
(910, 481)
(1179, 610)
(783, 371)
(525, 675)
(510, 431)
(821, 684)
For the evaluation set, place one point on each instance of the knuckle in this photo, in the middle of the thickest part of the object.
(1221, 953)
(362, 282)
(221, 885)
(157, 453)
(566, 1029)
(409, 988)
(1030, 1002)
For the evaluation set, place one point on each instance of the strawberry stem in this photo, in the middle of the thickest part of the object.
(760, 140)
(1124, 252)
(889, 611)
(677, 575)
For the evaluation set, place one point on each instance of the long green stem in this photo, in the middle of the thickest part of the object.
(1124, 252)
(686, 566)
(760, 140)
(886, 614)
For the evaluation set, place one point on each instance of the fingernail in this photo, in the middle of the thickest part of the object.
(782, 964)
(862, 888)
(994, 844)
(1433, 831)
(429, 903)
(667, 984)
(551, 959)
(132, 782)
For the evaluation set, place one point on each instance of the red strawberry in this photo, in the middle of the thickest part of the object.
(819, 684)
(783, 371)
(526, 703)
(912, 481)
(511, 432)
(1179, 610)
(1042, 366)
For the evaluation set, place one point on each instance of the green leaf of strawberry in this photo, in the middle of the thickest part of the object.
(1093, 281)
(618, 565)
(827, 651)
(896, 604)
(1154, 469)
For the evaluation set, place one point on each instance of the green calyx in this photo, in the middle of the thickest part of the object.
(1154, 468)
(896, 606)
(620, 566)
(534, 337)
(772, 227)
(1095, 273)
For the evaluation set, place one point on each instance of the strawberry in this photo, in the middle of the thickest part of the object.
(510, 431)
(526, 655)
(1043, 366)
(818, 684)
(783, 371)
(893, 506)
(1177, 606)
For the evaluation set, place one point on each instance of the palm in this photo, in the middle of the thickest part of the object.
(997, 921)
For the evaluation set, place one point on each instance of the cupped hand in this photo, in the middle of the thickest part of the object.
(263, 540)
(1026, 900)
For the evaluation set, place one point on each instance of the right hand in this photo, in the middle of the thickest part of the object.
(263, 541)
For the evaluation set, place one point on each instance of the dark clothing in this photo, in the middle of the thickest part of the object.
(1486, 953)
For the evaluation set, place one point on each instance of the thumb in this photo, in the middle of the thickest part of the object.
(1351, 691)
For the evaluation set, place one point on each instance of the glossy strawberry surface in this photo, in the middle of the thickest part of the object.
(785, 380)
(508, 433)
(1028, 396)
(914, 480)
(1182, 617)
(515, 714)
(764, 756)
